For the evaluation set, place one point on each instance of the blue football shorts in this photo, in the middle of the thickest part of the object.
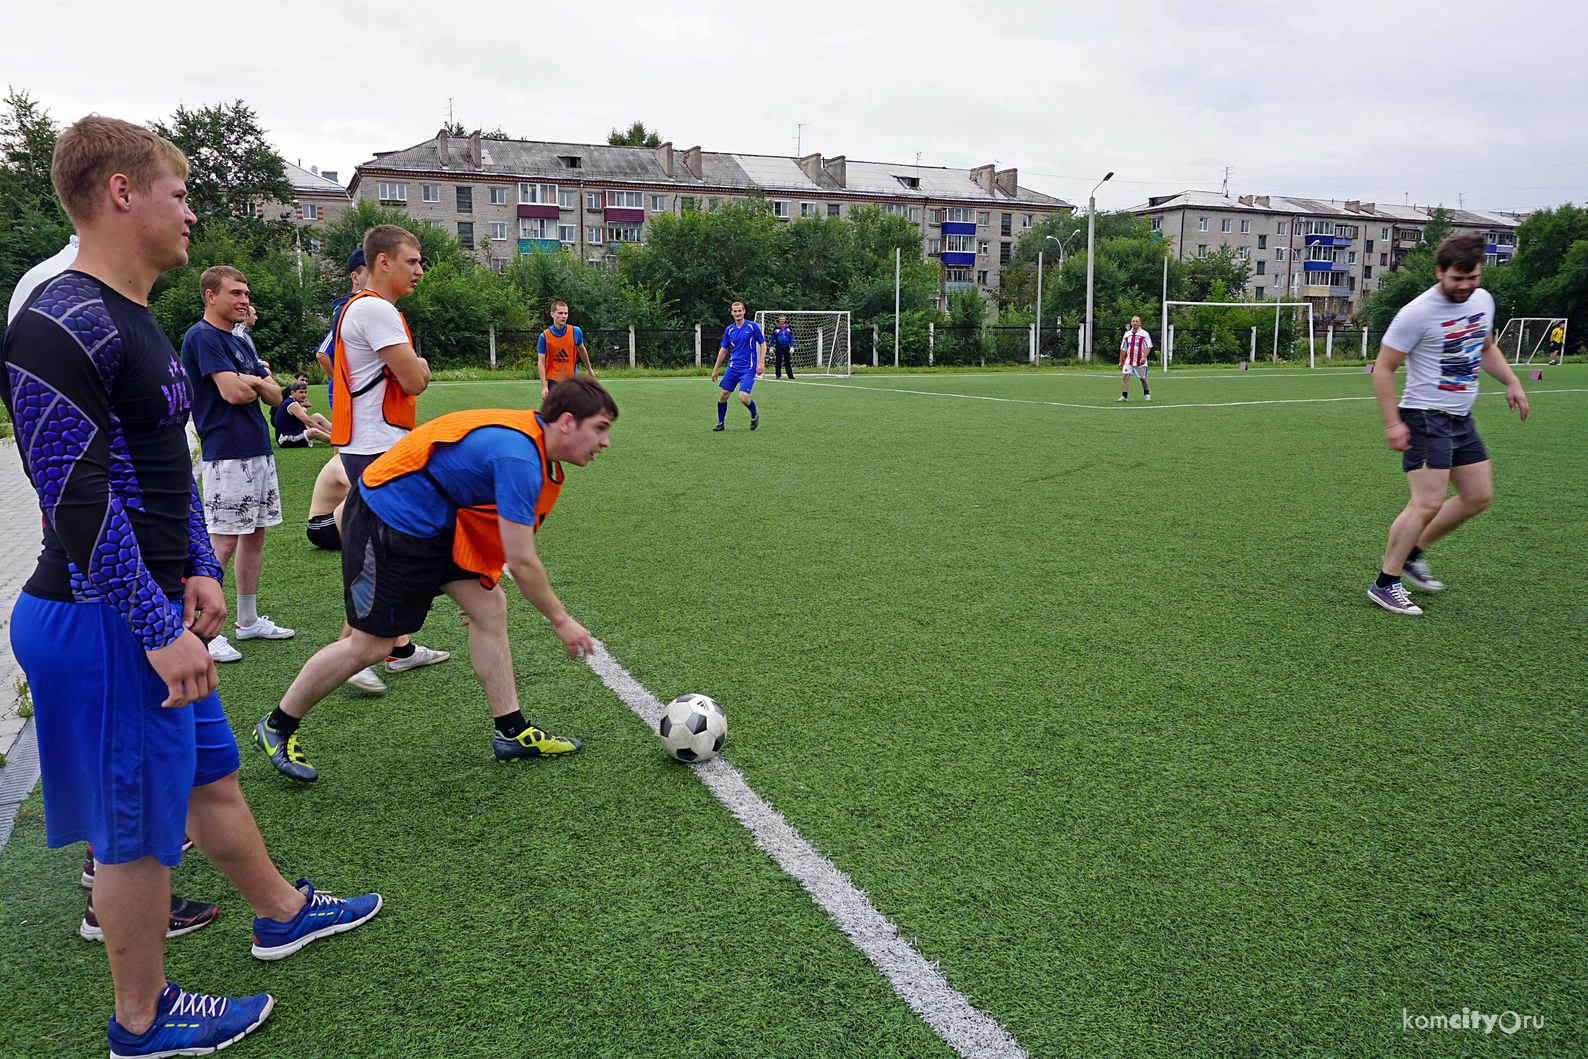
(743, 378)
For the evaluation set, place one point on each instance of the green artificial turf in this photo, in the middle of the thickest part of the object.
(1089, 700)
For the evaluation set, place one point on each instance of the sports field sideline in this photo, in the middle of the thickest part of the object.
(1088, 699)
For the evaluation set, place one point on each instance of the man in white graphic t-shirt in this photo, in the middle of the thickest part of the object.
(1133, 350)
(1445, 335)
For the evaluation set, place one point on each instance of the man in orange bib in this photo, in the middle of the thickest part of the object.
(559, 350)
(443, 511)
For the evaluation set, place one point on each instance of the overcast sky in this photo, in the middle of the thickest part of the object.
(1388, 101)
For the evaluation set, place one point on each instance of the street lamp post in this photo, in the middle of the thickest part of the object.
(1091, 244)
(1061, 242)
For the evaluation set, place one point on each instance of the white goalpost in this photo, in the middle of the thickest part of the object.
(1532, 336)
(821, 339)
(1167, 334)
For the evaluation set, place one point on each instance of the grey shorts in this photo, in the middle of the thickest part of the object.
(240, 496)
(1138, 370)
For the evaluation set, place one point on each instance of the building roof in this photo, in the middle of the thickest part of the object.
(543, 160)
(303, 180)
(1289, 204)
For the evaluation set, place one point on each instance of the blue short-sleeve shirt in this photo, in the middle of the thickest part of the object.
(741, 341)
(226, 431)
(490, 465)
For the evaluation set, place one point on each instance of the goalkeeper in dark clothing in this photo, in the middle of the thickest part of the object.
(783, 346)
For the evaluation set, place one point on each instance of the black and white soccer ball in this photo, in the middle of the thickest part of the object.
(693, 728)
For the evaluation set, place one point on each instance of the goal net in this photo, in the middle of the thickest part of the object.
(821, 339)
(1528, 338)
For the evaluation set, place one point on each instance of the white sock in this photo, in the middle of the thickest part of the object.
(247, 610)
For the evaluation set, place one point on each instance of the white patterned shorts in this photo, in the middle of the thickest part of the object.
(240, 496)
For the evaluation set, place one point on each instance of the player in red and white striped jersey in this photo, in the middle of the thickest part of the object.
(1133, 349)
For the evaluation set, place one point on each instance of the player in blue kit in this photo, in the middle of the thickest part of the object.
(744, 346)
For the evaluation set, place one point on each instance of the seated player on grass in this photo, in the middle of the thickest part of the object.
(297, 427)
(440, 512)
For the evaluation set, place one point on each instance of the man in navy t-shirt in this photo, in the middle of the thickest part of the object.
(238, 474)
(744, 347)
(783, 348)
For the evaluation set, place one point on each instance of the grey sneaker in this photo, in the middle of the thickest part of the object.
(422, 656)
(285, 755)
(365, 680)
(263, 629)
(1415, 573)
(1393, 598)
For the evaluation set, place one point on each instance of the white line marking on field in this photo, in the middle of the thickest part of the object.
(918, 982)
(1144, 406)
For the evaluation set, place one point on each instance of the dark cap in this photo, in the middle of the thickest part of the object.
(355, 260)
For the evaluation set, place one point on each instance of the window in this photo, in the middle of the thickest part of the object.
(498, 229)
(1157, 224)
(713, 203)
(1261, 267)
(623, 233)
(498, 264)
(310, 211)
(811, 209)
(567, 200)
(1262, 242)
(592, 200)
(535, 228)
(1259, 293)
(466, 234)
(658, 203)
(956, 275)
(1279, 253)
(571, 161)
(314, 246)
(628, 200)
(909, 181)
(832, 209)
(436, 224)
(895, 209)
(983, 218)
(1003, 252)
(1202, 224)
(1350, 258)
(1243, 252)
(1005, 222)
(1025, 220)
(1347, 231)
(537, 194)
(465, 200)
(498, 196)
(592, 235)
(915, 215)
(961, 244)
(1224, 225)
(1367, 272)
(430, 192)
(1202, 250)
(1383, 233)
(1383, 259)
(956, 215)
(934, 217)
(780, 208)
(394, 192)
(982, 246)
(567, 233)
(1369, 246)
(981, 277)
(934, 246)
(1283, 227)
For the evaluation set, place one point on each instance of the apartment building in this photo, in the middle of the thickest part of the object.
(508, 197)
(317, 197)
(1328, 252)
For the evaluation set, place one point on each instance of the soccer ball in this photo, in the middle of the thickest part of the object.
(693, 728)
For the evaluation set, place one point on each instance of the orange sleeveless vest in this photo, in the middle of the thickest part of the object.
(396, 406)
(477, 540)
(562, 354)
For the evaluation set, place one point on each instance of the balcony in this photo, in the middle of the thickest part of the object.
(624, 215)
(957, 285)
(539, 246)
(958, 228)
(542, 210)
(1318, 290)
(958, 258)
(1327, 240)
(1324, 266)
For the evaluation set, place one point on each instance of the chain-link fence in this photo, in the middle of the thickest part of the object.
(1216, 345)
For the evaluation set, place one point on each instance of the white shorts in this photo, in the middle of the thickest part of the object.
(240, 496)
(1138, 370)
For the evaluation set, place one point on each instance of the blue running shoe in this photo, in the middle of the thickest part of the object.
(321, 916)
(191, 1024)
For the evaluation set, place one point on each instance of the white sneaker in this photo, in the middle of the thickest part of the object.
(422, 656)
(221, 651)
(366, 681)
(264, 628)
(1122, 397)
(1146, 397)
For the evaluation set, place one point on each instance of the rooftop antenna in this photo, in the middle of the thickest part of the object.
(1225, 191)
(1461, 200)
(799, 138)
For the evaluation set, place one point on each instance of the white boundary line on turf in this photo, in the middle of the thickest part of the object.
(1109, 407)
(918, 982)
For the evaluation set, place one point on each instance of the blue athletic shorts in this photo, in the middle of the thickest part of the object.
(1440, 440)
(743, 378)
(117, 767)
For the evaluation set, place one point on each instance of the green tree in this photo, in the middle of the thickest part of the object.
(636, 135)
(231, 163)
(1221, 267)
(1438, 229)
(32, 224)
(702, 261)
(598, 298)
(345, 234)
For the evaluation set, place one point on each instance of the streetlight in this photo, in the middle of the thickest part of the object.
(1061, 243)
(1091, 242)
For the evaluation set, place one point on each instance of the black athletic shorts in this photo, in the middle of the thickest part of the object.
(354, 465)
(323, 533)
(1440, 440)
(390, 578)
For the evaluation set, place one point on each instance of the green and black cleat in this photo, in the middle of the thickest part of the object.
(285, 754)
(531, 742)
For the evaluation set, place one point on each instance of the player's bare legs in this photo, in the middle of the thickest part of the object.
(1474, 493)
(131, 902)
(331, 665)
(1428, 488)
(223, 828)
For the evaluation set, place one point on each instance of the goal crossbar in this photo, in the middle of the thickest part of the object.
(1521, 344)
(1312, 343)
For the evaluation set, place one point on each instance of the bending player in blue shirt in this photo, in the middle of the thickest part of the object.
(745, 347)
